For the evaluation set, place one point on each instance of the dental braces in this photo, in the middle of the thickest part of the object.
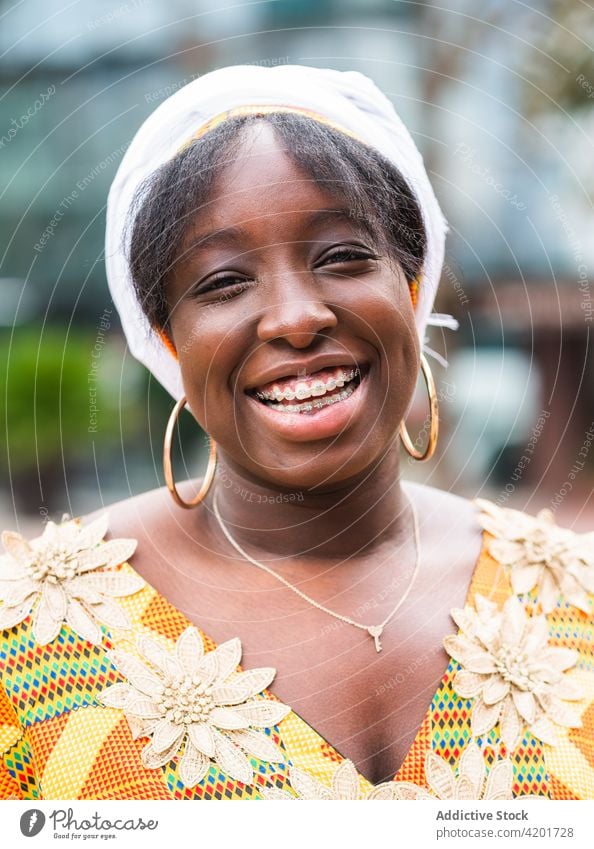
(329, 386)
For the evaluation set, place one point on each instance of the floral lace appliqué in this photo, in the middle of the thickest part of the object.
(197, 701)
(540, 555)
(67, 575)
(515, 677)
(471, 783)
(344, 785)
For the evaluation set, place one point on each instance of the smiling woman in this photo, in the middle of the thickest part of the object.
(303, 271)
(274, 248)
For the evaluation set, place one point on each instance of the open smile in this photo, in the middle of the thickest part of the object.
(319, 392)
(321, 415)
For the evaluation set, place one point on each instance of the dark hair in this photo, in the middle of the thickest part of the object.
(374, 191)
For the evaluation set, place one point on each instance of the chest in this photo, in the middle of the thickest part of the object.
(368, 705)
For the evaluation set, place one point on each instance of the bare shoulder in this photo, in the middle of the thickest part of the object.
(449, 505)
(450, 521)
(165, 533)
(151, 512)
(152, 518)
(131, 516)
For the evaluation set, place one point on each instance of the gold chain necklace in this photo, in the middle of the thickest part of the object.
(374, 631)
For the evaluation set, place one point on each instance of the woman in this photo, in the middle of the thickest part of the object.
(273, 248)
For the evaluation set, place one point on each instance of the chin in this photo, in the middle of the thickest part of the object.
(319, 469)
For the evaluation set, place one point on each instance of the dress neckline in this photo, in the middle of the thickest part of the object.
(481, 579)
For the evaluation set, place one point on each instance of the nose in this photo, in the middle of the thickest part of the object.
(298, 315)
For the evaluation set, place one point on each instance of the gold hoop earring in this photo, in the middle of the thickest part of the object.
(168, 471)
(434, 428)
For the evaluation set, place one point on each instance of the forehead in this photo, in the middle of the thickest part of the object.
(261, 176)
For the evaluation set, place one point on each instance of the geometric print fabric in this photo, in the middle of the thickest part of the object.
(58, 741)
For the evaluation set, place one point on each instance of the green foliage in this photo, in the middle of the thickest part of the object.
(49, 382)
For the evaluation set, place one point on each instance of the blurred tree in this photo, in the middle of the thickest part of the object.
(549, 44)
(564, 32)
(57, 401)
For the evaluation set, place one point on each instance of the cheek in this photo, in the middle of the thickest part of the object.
(401, 355)
(384, 314)
(390, 318)
(208, 351)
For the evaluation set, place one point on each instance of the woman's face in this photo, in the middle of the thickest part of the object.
(276, 280)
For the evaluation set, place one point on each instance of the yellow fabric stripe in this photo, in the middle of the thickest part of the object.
(568, 764)
(304, 747)
(9, 734)
(565, 761)
(73, 756)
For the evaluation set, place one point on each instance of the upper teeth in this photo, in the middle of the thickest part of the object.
(307, 390)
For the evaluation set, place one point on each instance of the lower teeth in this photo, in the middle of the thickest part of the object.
(315, 404)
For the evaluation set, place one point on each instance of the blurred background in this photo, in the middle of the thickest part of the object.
(499, 96)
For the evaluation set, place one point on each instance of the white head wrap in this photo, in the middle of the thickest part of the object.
(348, 99)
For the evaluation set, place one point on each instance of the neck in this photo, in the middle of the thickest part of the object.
(355, 520)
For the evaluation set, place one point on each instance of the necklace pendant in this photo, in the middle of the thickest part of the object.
(376, 631)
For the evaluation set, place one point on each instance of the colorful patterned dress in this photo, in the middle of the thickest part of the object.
(108, 692)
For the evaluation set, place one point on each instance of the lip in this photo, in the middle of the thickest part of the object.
(298, 368)
(324, 423)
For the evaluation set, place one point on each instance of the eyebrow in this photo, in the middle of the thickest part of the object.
(224, 236)
(324, 216)
(232, 235)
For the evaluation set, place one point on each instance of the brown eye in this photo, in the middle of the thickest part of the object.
(230, 282)
(348, 254)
